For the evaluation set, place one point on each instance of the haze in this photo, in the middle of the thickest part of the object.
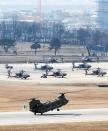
(31, 2)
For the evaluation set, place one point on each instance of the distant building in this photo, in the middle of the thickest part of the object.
(102, 15)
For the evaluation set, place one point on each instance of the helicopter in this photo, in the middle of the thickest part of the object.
(57, 73)
(8, 66)
(52, 60)
(81, 66)
(90, 59)
(44, 67)
(22, 74)
(98, 72)
(36, 106)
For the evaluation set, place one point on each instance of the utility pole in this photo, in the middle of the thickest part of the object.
(40, 9)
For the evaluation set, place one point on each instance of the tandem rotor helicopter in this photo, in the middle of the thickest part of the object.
(36, 106)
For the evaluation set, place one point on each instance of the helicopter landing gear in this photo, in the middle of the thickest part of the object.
(41, 113)
(58, 109)
(34, 113)
(44, 76)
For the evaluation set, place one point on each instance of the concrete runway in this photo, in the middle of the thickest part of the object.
(63, 116)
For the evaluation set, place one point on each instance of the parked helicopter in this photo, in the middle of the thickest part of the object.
(90, 59)
(57, 73)
(81, 66)
(22, 74)
(8, 66)
(55, 60)
(43, 67)
(52, 60)
(36, 106)
(98, 72)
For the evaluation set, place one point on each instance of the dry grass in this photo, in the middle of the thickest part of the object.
(14, 95)
(96, 126)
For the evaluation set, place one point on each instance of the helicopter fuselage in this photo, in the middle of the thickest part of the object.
(36, 106)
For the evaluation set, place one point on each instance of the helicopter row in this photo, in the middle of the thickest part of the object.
(57, 73)
(49, 71)
(98, 71)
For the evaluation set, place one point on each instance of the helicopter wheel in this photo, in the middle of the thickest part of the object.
(58, 109)
(41, 113)
(34, 113)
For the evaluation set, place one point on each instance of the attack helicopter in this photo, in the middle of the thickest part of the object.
(55, 60)
(98, 72)
(43, 67)
(81, 66)
(22, 74)
(90, 59)
(52, 60)
(57, 73)
(8, 66)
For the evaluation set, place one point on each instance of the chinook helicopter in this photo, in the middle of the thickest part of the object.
(36, 106)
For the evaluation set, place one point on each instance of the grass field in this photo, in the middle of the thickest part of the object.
(95, 126)
(14, 95)
(86, 94)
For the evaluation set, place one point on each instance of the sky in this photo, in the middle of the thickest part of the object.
(31, 2)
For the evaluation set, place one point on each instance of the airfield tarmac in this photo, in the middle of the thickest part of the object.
(64, 116)
(76, 77)
(14, 93)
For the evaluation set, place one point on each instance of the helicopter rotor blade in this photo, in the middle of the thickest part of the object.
(72, 91)
(9, 101)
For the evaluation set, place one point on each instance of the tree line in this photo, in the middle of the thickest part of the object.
(53, 33)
